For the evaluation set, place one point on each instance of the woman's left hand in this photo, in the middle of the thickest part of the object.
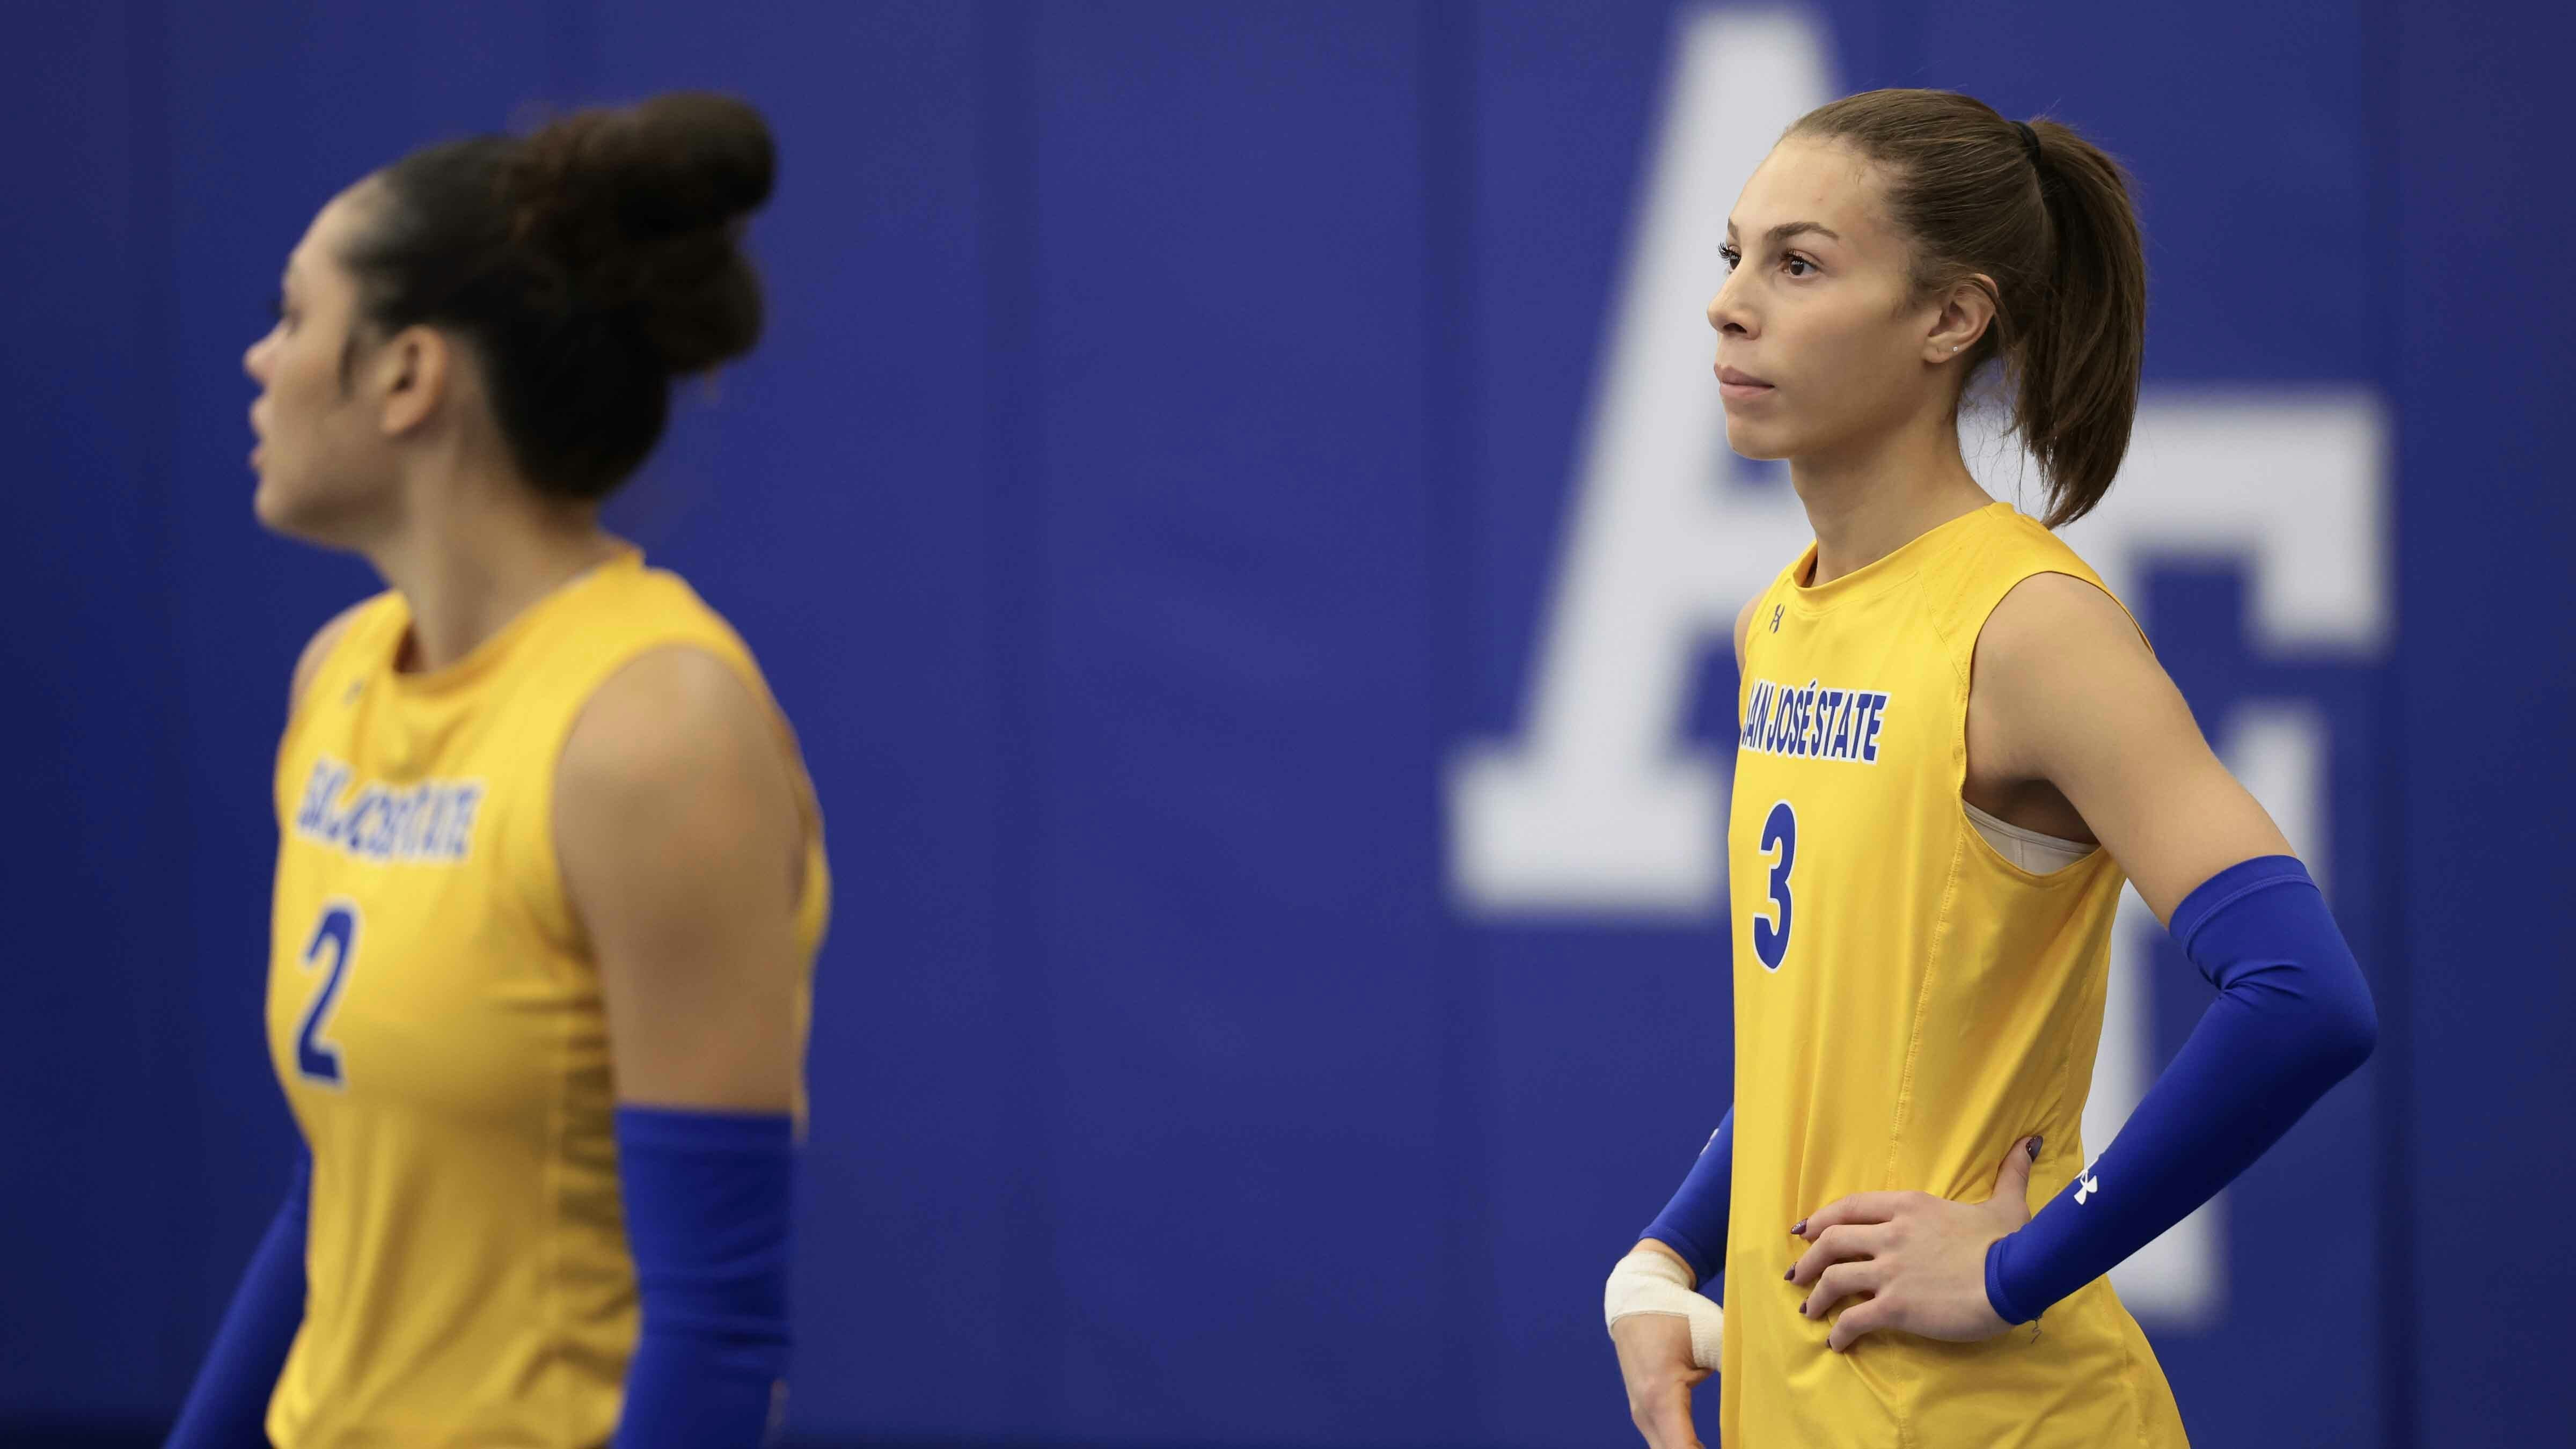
(1917, 1261)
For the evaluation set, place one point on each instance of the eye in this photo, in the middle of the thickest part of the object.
(277, 310)
(1730, 255)
(1793, 261)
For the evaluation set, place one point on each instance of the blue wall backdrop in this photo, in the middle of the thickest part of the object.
(1250, 624)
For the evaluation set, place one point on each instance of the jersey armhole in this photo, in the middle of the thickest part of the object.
(1967, 664)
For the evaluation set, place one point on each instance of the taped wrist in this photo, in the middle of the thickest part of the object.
(1646, 1281)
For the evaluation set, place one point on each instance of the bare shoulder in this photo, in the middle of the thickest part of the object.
(672, 778)
(677, 833)
(317, 649)
(2058, 656)
(2058, 618)
(672, 720)
(2065, 691)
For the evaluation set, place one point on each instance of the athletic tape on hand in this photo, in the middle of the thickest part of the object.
(1649, 1282)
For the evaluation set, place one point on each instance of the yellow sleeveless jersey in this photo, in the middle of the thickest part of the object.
(435, 1016)
(1908, 1004)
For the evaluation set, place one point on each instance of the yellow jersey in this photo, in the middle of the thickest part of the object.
(434, 1013)
(1908, 1005)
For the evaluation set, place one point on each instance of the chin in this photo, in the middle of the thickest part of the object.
(268, 505)
(281, 510)
(1750, 440)
(277, 509)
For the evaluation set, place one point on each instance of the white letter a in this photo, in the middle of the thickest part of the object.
(1600, 804)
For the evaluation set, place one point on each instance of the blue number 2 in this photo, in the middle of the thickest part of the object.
(1780, 832)
(318, 1060)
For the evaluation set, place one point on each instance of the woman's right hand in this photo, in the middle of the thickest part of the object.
(1656, 1359)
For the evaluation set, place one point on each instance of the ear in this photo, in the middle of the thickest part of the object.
(412, 374)
(1967, 310)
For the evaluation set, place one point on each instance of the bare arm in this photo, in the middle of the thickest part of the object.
(228, 1403)
(1659, 1361)
(677, 827)
(1743, 632)
(2065, 691)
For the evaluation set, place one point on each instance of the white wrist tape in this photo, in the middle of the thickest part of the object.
(1648, 1282)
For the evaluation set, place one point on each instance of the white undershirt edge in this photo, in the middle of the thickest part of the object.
(2039, 854)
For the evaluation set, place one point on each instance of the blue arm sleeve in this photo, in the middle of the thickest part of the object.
(1693, 1224)
(2292, 1018)
(708, 1201)
(228, 1407)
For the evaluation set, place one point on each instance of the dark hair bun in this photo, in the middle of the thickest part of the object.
(638, 211)
(589, 263)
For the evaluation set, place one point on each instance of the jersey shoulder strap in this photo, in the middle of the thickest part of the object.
(1961, 586)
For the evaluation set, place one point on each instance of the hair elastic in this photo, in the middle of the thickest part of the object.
(2029, 142)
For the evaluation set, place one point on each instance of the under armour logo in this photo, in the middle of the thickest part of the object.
(356, 688)
(1775, 617)
(2086, 1184)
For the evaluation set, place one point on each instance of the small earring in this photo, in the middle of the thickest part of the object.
(1954, 347)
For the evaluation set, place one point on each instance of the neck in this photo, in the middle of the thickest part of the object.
(1871, 500)
(470, 558)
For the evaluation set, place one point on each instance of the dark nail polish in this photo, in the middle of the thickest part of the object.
(2034, 1147)
(1800, 1230)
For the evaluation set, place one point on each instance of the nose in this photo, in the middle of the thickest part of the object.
(1727, 315)
(255, 359)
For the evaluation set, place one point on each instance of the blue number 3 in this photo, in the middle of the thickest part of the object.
(1779, 832)
(317, 1060)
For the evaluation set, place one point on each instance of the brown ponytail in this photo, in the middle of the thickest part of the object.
(2049, 220)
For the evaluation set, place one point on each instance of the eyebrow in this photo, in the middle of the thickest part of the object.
(1788, 229)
